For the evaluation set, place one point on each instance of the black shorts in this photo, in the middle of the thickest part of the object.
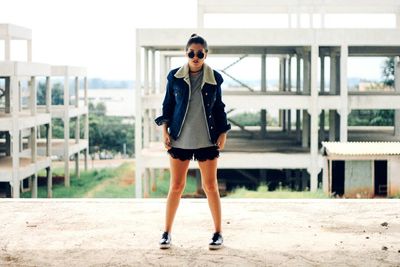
(200, 154)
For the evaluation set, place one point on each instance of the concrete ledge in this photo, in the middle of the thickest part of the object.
(257, 232)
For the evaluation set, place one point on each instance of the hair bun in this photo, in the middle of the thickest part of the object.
(194, 34)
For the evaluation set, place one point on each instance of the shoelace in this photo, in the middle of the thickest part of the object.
(215, 237)
(165, 235)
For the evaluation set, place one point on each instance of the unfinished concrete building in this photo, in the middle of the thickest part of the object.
(20, 120)
(70, 110)
(303, 99)
(26, 144)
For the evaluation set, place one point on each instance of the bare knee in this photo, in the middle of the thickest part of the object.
(177, 187)
(210, 187)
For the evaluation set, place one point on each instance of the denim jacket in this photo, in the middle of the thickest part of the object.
(177, 94)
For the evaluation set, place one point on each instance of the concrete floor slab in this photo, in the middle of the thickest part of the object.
(257, 232)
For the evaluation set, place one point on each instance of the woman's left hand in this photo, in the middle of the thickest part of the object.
(221, 141)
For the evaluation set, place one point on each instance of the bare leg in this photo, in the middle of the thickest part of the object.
(177, 184)
(209, 182)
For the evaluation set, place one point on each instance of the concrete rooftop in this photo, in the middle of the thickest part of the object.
(257, 232)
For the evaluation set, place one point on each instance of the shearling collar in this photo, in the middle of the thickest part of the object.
(208, 74)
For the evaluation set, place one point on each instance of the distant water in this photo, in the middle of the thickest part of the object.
(119, 102)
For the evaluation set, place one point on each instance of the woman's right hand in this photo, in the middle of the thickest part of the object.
(167, 140)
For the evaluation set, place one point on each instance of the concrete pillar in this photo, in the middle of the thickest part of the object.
(77, 170)
(263, 119)
(333, 73)
(138, 122)
(322, 91)
(289, 89)
(263, 73)
(146, 81)
(338, 73)
(343, 92)
(66, 133)
(77, 127)
(397, 89)
(333, 90)
(322, 85)
(34, 159)
(281, 87)
(33, 135)
(306, 90)
(153, 71)
(86, 137)
(49, 175)
(314, 113)
(86, 124)
(77, 138)
(15, 135)
(306, 72)
(284, 89)
(153, 112)
(49, 178)
(298, 91)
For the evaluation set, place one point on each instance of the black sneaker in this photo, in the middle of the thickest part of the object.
(216, 241)
(165, 241)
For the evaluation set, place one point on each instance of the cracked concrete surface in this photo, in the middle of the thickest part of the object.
(257, 232)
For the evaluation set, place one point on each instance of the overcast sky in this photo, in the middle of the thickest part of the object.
(101, 34)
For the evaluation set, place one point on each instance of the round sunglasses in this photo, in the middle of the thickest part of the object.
(192, 54)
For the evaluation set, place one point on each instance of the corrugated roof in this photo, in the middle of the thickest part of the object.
(361, 148)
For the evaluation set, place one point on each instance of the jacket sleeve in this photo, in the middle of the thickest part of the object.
(168, 104)
(220, 117)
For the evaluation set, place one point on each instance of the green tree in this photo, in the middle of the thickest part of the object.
(388, 71)
(57, 94)
(108, 132)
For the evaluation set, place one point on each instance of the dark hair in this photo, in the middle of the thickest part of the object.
(196, 39)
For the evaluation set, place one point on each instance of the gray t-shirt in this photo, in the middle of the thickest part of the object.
(194, 132)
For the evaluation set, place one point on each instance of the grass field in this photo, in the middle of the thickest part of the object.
(119, 182)
(105, 183)
(262, 192)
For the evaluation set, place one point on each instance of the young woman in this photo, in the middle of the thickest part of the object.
(194, 125)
